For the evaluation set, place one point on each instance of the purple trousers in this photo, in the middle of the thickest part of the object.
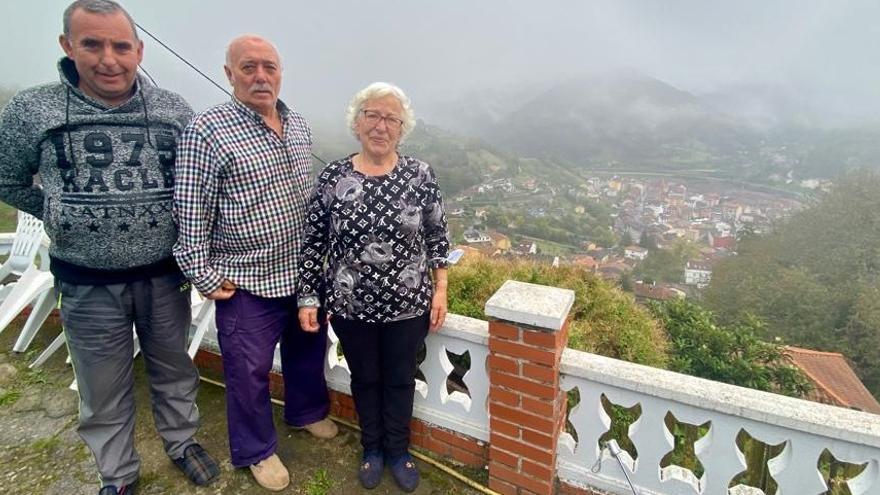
(248, 328)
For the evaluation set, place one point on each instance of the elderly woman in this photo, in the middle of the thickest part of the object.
(377, 217)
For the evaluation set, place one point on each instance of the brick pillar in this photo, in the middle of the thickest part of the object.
(528, 330)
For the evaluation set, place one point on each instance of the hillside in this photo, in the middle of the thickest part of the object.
(459, 161)
(609, 121)
(814, 280)
(629, 121)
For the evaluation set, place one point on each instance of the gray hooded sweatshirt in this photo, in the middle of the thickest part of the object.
(107, 176)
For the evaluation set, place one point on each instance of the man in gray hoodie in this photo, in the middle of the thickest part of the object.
(103, 142)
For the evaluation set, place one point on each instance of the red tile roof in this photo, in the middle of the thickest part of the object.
(836, 382)
(724, 242)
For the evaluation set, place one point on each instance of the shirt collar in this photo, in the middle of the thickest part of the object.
(283, 110)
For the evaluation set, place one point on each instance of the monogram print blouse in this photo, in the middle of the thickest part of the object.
(380, 236)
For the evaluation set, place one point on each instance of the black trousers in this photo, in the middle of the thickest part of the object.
(382, 360)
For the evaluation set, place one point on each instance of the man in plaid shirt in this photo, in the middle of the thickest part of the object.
(240, 199)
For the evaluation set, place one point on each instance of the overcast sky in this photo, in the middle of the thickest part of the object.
(434, 49)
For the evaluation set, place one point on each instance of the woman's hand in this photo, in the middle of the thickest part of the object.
(308, 319)
(438, 309)
(438, 303)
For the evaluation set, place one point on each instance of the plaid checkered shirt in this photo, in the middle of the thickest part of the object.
(240, 199)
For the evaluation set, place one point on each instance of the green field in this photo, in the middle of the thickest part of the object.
(7, 218)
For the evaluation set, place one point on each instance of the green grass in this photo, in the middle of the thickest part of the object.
(320, 483)
(34, 377)
(8, 218)
(26, 378)
(9, 397)
(444, 483)
(47, 445)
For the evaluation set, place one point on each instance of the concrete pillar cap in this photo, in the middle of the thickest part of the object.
(531, 304)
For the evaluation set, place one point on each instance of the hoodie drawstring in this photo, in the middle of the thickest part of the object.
(68, 72)
(67, 128)
(146, 117)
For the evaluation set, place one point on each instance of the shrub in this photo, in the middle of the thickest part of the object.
(604, 320)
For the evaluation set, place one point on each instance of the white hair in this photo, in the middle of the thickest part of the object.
(380, 90)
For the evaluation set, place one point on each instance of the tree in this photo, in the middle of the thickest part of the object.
(813, 278)
(604, 320)
(746, 232)
(647, 242)
(793, 303)
(603, 236)
(626, 239)
(862, 333)
(661, 265)
(730, 354)
(684, 249)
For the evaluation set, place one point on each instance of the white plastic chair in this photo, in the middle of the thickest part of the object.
(28, 241)
(203, 319)
(45, 301)
(59, 341)
(33, 285)
(44, 356)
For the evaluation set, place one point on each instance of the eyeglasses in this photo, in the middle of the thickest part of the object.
(373, 118)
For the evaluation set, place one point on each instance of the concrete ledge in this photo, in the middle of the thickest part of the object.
(531, 304)
(764, 407)
(466, 328)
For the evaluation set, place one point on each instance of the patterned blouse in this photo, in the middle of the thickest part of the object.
(380, 234)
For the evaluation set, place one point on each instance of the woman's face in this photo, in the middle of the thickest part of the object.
(378, 126)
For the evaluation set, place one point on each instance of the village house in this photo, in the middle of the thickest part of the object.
(834, 381)
(697, 273)
(635, 253)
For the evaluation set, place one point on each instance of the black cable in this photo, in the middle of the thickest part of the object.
(193, 67)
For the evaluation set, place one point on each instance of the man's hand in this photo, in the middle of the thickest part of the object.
(438, 308)
(308, 319)
(226, 291)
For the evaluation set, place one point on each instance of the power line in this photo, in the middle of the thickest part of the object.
(193, 67)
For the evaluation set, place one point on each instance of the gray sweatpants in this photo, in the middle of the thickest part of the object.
(97, 323)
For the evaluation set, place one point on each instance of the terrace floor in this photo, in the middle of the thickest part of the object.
(41, 452)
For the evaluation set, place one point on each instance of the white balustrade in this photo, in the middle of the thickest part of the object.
(805, 429)
(465, 413)
(456, 410)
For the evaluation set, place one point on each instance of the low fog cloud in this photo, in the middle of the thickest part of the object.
(818, 51)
